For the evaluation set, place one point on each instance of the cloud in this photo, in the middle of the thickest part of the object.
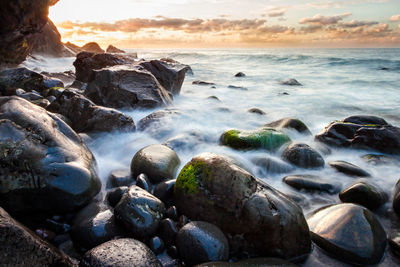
(324, 20)
(395, 18)
(357, 23)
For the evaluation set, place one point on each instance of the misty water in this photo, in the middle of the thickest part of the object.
(337, 83)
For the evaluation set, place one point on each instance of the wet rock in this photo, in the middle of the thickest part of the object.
(140, 212)
(266, 138)
(85, 116)
(157, 119)
(119, 178)
(45, 164)
(157, 161)
(363, 132)
(203, 83)
(19, 246)
(377, 160)
(172, 213)
(167, 231)
(303, 156)
(12, 79)
(169, 74)
(44, 103)
(186, 141)
(67, 77)
(270, 165)
(349, 232)
(237, 87)
(213, 97)
(113, 49)
(200, 242)
(348, 168)
(126, 86)
(290, 124)
(114, 195)
(45, 234)
(164, 191)
(124, 252)
(173, 252)
(156, 245)
(254, 262)
(223, 193)
(291, 82)
(396, 198)
(364, 194)
(143, 182)
(240, 74)
(311, 182)
(394, 242)
(92, 47)
(256, 111)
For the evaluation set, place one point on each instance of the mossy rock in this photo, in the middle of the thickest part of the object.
(265, 138)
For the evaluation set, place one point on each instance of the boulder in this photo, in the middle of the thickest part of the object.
(200, 242)
(266, 222)
(348, 168)
(396, 198)
(126, 87)
(19, 246)
(290, 124)
(11, 79)
(303, 156)
(269, 165)
(240, 75)
(158, 162)
(45, 164)
(140, 212)
(364, 194)
(125, 252)
(265, 138)
(311, 182)
(291, 82)
(157, 124)
(120, 177)
(85, 116)
(349, 232)
(362, 132)
(256, 111)
(92, 47)
(113, 49)
(202, 83)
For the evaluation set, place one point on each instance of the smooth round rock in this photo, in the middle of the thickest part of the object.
(124, 252)
(172, 213)
(348, 168)
(158, 162)
(349, 232)
(199, 242)
(290, 124)
(365, 194)
(311, 182)
(303, 156)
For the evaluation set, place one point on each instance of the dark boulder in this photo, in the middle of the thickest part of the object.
(290, 124)
(113, 49)
(291, 82)
(311, 182)
(45, 165)
(363, 132)
(266, 222)
(303, 156)
(348, 168)
(126, 252)
(200, 242)
(256, 111)
(114, 195)
(269, 165)
(364, 194)
(240, 74)
(202, 83)
(396, 198)
(349, 232)
(140, 212)
(19, 246)
(92, 47)
(121, 177)
(164, 191)
(187, 141)
(168, 231)
(85, 116)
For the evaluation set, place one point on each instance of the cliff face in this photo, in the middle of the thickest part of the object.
(20, 20)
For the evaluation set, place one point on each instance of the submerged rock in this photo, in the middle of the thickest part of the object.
(45, 164)
(290, 124)
(271, 165)
(240, 74)
(349, 232)
(256, 111)
(200, 242)
(377, 160)
(126, 252)
(291, 82)
(186, 141)
(363, 132)
(311, 182)
(113, 49)
(365, 194)
(157, 119)
(265, 138)
(348, 168)
(266, 222)
(202, 83)
(303, 156)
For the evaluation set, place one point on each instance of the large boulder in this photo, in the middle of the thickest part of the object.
(45, 164)
(349, 232)
(126, 87)
(85, 116)
(19, 23)
(266, 222)
(365, 194)
(364, 132)
(19, 246)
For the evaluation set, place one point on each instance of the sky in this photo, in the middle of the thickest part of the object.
(229, 23)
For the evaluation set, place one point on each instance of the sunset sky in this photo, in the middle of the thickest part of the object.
(229, 23)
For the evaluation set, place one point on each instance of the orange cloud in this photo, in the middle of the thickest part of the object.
(324, 20)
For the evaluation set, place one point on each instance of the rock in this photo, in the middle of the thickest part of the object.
(126, 252)
(85, 116)
(362, 132)
(200, 242)
(92, 47)
(44, 103)
(19, 23)
(254, 262)
(67, 77)
(11, 79)
(86, 63)
(271, 165)
(290, 124)
(396, 198)
(169, 74)
(143, 182)
(349, 232)
(157, 119)
(394, 242)
(73, 47)
(186, 141)
(114, 195)
(256, 111)
(311, 182)
(213, 97)
(378, 160)
(119, 178)
(364, 194)
(157, 161)
(202, 83)
(240, 74)
(126, 87)
(140, 212)
(173, 252)
(156, 245)
(167, 231)
(237, 87)
(266, 222)
(164, 191)
(303, 156)
(291, 82)
(113, 49)
(265, 138)
(172, 213)
(348, 168)
(96, 230)
(19, 246)
(45, 164)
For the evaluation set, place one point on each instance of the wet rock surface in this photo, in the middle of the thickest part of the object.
(290, 124)
(312, 182)
(303, 156)
(291, 82)
(348, 168)
(272, 165)
(364, 194)
(396, 198)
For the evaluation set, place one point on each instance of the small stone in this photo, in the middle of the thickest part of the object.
(303, 156)
(365, 194)
(348, 168)
(164, 191)
(311, 182)
(256, 111)
(143, 182)
(118, 178)
(156, 245)
(172, 213)
(173, 252)
(240, 74)
(291, 82)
